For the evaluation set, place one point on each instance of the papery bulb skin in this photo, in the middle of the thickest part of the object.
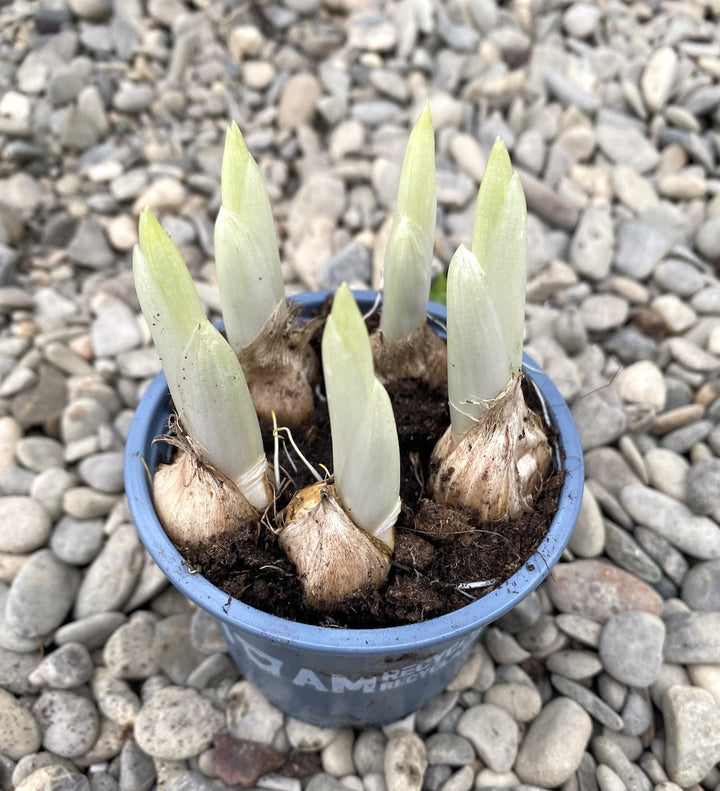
(281, 370)
(499, 465)
(332, 555)
(195, 503)
(422, 355)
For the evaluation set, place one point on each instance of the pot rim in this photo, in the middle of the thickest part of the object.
(148, 422)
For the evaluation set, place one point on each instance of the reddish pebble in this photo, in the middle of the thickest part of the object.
(598, 590)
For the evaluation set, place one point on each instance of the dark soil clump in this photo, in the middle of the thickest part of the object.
(443, 560)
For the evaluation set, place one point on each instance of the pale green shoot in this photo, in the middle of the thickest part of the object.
(246, 250)
(366, 453)
(479, 362)
(204, 376)
(408, 259)
(500, 245)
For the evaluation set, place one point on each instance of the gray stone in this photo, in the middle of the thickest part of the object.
(667, 471)
(626, 146)
(692, 356)
(581, 19)
(404, 762)
(170, 648)
(678, 277)
(41, 594)
(20, 732)
(353, 265)
(621, 547)
(692, 722)
(554, 744)
(115, 698)
(66, 667)
(701, 586)
(24, 524)
(682, 439)
(77, 541)
(637, 713)
(44, 401)
(697, 536)
(111, 578)
(574, 664)
(368, 751)
(568, 92)
(55, 775)
(322, 195)
(707, 238)
(92, 631)
(39, 453)
(115, 328)
(137, 769)
(671, 561)
(693, 637)
(448, 748)
(371, 31)
(93, 10)
(82, 418)
(69, 721)
(610, 754)
(205, 633)
(521, 701)
(596, 707)
(703, 486)
(502, 647)
(89, 246)
(103, 471)
(592, 246)
(609, 468)
(126, 652)
(374, 112)
(631, 647)
(523, 615)
(297, 101)
(597, 421)
(604, 312)
(133, 98)
(432, 711)
(493, 733)
(583, 630)
(250, 715)
(176, 723)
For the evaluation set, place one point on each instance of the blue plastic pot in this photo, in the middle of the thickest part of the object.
(341, 677)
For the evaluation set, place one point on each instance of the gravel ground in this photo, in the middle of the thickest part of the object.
(609, 676)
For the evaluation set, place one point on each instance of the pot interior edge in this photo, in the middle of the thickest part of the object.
(149, 422)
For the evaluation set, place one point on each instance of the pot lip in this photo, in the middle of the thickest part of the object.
(236, 614)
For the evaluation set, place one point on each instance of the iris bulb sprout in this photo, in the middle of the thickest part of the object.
(279, 365)
(340, 535)
(495, 454)
(404, 347)
(218, 426)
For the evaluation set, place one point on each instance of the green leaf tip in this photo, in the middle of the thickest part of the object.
(491, 196)
(232, 172)
(162, 281)
(416, 191)
(348, 337)
(247, 258)
(500, 245)
(408, 257)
